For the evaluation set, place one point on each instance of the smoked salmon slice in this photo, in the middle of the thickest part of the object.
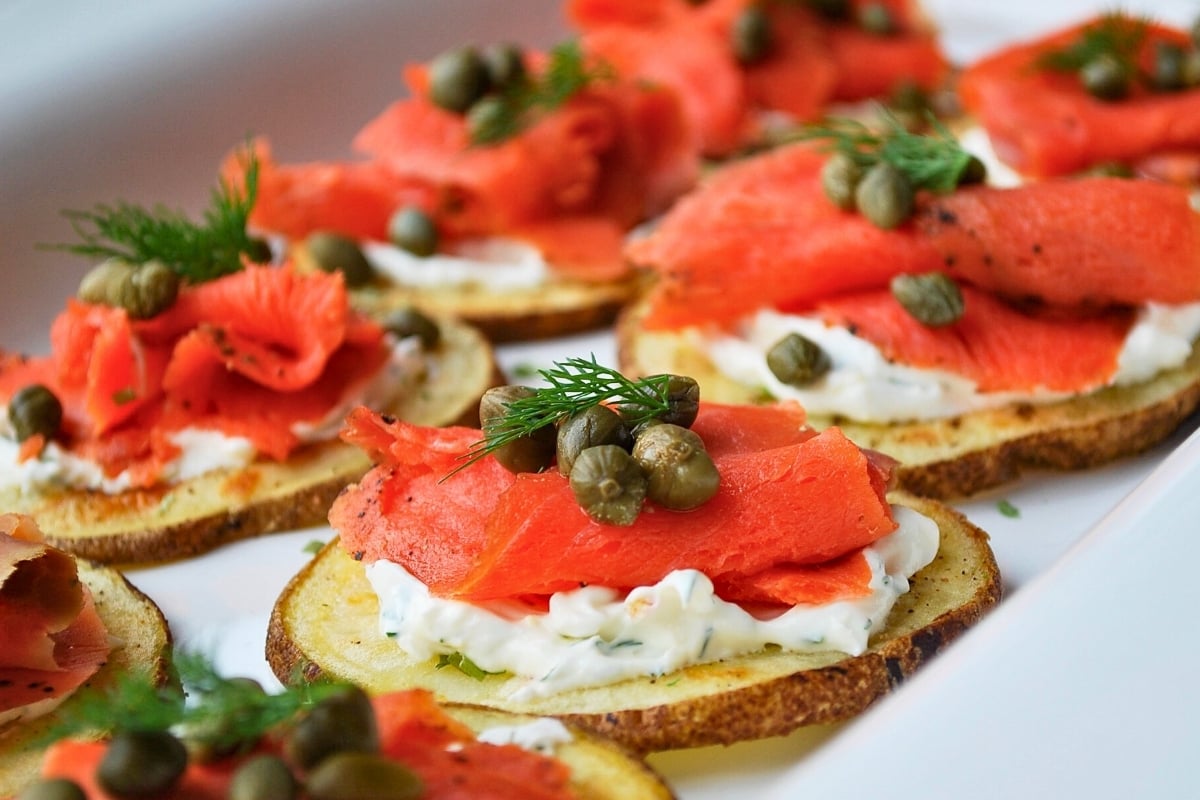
(487, 534)
(251, 354)
(810, 63)
(772, 240)
(1043, 122)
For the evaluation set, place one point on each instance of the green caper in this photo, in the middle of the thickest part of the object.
(973, 172)
(405, 322)
(141, 763)
(490, 120)
(1109, 169)
(102, 284)
(1105, 78)
(593, 426)
(353, 776)
(264, 777)
(933, 298)
(53, 789)
(411, 229)
(884, 196)
(333, 252)
(258, 250)
(457, 79)
(608, 484)
(797, 360)
(840, 176)
(531, 453)
(750, 35)
(909, 96)
(680, 474)
(683, 400)
(831, 9)
(505, 64)
(149, 290)
(341, 722)
(221, 736)
(1167, 73)
(876, 18)
(34, 410)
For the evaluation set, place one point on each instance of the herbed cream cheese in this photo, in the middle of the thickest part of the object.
(863, 385)
(495, 264)
(592, 636)
(203, 451)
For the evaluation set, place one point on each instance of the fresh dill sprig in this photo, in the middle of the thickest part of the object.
(934, 161)
(574, 385)
(196, 251)
(567, 72)
(1115, 35)
(203, 705)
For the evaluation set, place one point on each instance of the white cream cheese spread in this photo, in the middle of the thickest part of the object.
(863, 385)
(542, 735)
(495, 264)
(592, 636)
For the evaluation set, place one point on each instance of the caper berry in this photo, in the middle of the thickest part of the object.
(680, 474)
(141, 763)
(405, 322)
(608, 484)
(53, 789)
(333, 252)
(505, 64)
(797, 360)
(489, 120)
(533, 452)
(593, 426)
(831, 9)
(1105, 78)
(974, 171)
(411, 229)
(353, 776)
(750, 35)
(933, 298)
(34, 410)
(149, 290)
(264, 777)
(457, 79)
(1167, 73)
(840, 176)
(884, 196)
(102, 284)
(876, 18)
(341, 722)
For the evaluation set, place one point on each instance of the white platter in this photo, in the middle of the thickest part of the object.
(140, 101)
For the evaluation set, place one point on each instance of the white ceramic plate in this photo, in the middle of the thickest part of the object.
(139, 101)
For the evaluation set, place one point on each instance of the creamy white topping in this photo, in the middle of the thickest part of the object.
(203, 451)
(591, 636)
(542, 735)
(863, 385)
(495, 264)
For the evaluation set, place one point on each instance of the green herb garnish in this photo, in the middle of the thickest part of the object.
(197, 252)
(314, 546)
(934, 161)
(1115, 35)
(567, 73)
(204, 705)
(1008, 509)
(463, 664)
(575, 384)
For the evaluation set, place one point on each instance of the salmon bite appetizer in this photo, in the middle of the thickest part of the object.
(192, 397)
(616, 553)
(500, 190)
(966, 330)
(1117, 92)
